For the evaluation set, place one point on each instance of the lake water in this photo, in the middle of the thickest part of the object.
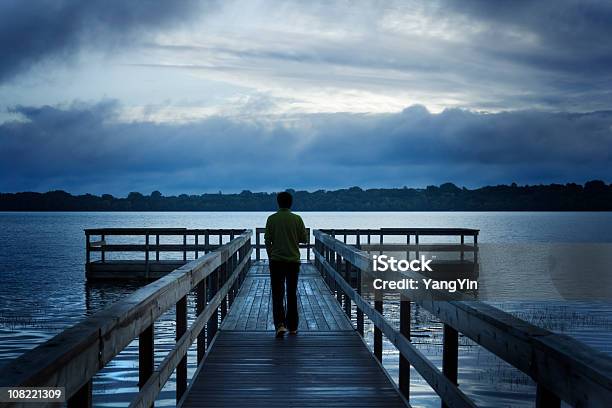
(44, 290)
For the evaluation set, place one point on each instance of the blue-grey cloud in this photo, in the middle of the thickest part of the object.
(34, 31)
(85, 149)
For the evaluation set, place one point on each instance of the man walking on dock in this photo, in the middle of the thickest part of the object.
(284, 231)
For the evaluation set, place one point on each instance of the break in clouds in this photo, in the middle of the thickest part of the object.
(85, 149)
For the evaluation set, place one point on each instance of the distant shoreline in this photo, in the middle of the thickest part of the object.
(594, 195)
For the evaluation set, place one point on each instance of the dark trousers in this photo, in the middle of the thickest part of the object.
(281, 274)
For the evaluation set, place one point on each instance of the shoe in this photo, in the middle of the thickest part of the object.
(280, 332)
(293, 332)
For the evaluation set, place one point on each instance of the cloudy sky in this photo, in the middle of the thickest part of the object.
(200, 96)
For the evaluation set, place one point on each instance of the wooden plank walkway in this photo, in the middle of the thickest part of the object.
(252, 308)
(326, 364)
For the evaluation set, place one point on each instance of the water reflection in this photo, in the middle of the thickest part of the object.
(44, 290)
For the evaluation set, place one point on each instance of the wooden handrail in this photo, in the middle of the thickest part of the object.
(74, 356)
(402, 231)
(104, 245)
(442, 385)
(162, 231)
(562, 367)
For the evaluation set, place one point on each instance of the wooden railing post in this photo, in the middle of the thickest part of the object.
(231, 265)
(408, 243)
(145, 355)
(213, 322)
(181, 328)
(200, 305)
(347, 278)
(308, 245)
(257, 243)
(196, 245)
(450, 355)
(157, 248)
(360, 328)
(222, 276)
(404, 364)
(82, 398)
(378, 344)
(338, 265)
(185, 247)
(87, 249)
(102, 244)
(147, 256)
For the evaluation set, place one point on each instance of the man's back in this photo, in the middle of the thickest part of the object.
(284, 232)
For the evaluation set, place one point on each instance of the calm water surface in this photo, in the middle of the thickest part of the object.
(44, 290)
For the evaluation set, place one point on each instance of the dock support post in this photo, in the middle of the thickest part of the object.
(308, 245)
(145, 355)
(408, 244)
(546, 399)
(349, 280)
(82, 398)
(360, 328)
(222, 276)
(185, 247)
(87, 254)
(181, 328)
(147, 256)
(157, 249)
(339, 295)
(450, 355)
(213, 322)
(200, 305)
(404, 364)
(257, 243)
(102, 244)
(378, 343)
(196, 245)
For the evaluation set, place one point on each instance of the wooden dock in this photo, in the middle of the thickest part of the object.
(247, 366)
(240, 363)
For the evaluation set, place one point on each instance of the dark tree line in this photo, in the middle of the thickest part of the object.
(593, 196)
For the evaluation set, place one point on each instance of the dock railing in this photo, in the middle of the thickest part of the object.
(101, 244)
(373, 240)
(563, 368)
(72, 358)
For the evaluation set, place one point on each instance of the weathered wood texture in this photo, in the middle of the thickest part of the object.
(326, 364)
(116, 270)
(313, 369)
(252, 309)
(74, 356)
(560, 365)
(147, 242)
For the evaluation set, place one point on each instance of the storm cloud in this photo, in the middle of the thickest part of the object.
(207, 95)
(84, 148)
(32, 32)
